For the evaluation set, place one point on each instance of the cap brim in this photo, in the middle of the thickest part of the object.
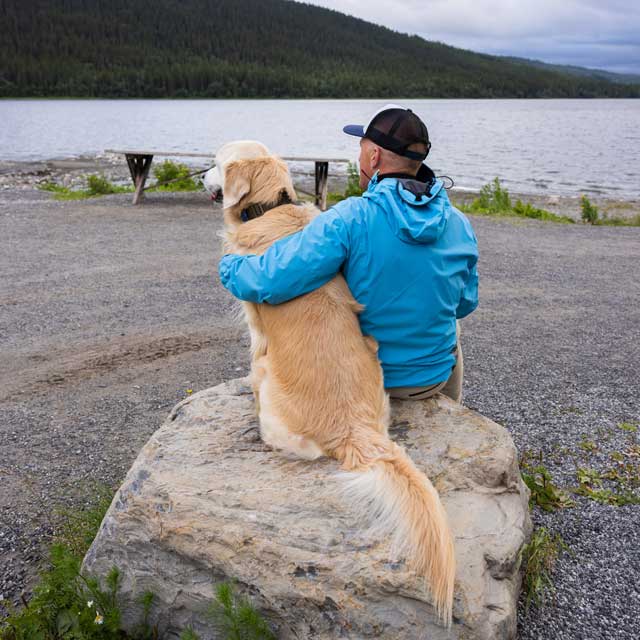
(354, 130)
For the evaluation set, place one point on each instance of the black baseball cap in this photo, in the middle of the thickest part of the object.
(394, 128)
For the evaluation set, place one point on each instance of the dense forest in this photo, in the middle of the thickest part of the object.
(247, 48)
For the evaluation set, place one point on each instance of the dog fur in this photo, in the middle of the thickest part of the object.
(318, 383)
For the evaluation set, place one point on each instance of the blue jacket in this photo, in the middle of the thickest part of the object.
(410, 260)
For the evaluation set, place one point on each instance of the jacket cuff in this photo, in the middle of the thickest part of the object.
(224, 268)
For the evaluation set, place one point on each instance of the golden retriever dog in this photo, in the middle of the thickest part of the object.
(317, 380)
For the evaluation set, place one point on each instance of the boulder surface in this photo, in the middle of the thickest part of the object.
(206, 501)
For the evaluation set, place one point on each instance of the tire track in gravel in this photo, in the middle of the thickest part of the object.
(58, 370)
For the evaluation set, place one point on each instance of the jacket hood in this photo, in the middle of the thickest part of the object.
(419, 215)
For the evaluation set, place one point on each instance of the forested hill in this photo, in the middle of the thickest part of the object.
(246, 48)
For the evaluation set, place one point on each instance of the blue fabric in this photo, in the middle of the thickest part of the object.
(410, 261)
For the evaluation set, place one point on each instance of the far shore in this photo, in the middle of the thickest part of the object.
(72, 173)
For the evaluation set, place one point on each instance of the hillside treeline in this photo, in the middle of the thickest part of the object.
(246, 48)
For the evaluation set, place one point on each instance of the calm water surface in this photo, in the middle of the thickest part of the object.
(535, 146)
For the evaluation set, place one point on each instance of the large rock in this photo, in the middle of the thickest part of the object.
(206, 501)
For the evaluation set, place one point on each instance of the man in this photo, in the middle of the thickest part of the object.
(406, 253)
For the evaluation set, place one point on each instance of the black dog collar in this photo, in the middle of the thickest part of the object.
(258, 209)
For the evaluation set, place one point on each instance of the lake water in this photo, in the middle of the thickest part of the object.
(534, 146)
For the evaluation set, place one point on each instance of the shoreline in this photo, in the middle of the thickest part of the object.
(72, 173)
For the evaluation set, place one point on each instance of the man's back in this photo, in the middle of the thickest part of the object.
(411, 263)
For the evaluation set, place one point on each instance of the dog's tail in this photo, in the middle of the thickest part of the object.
(400, 500)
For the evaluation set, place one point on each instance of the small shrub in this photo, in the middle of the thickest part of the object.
(236, 618)
(98, 185)
(144, 631)
(352, 187)
(173, 176)
(589, 211)
(538, 560)
(493, 198)
(353, 181)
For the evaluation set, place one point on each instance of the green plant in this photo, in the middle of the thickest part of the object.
(63, 193)
(589, 211)
(588, 445)
(144, 631)
(544, 493)
(539, 557)
(173, 176)
(494, 199)
(353, 181)
(236, 618)
(590, 482)
(589, 476)
(66, 604)
(98, 185)
(527, 210)
(628, 427)
(607, 496)
(632, 221)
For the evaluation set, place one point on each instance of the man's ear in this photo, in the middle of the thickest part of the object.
(376, 156)
(237, 183)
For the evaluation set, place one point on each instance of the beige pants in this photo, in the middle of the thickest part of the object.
(451, 387)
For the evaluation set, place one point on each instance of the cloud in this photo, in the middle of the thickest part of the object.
(582, 32)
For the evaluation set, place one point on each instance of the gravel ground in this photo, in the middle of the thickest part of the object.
(109, 313)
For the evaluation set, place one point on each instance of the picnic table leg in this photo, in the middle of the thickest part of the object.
(322, 174)
(139, 169)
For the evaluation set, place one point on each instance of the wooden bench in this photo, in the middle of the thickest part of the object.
(140, 163)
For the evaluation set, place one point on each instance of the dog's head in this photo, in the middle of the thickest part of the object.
(247, 174)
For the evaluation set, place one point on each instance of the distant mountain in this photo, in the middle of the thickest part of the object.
(248, 48)
(585, 72)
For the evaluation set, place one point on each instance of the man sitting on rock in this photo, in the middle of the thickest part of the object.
(408, 256)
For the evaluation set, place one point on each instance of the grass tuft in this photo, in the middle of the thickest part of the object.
(494, 199)
(97, 185)
(591, 215)
(539, 557)
(236, 618)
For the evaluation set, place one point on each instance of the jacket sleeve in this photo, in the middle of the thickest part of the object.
(469, 298)
(292, 266)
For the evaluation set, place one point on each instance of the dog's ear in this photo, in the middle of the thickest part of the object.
(237, 182)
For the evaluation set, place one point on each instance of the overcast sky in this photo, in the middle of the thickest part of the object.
(601, 34)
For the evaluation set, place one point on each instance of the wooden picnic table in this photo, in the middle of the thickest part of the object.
(140, 163)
